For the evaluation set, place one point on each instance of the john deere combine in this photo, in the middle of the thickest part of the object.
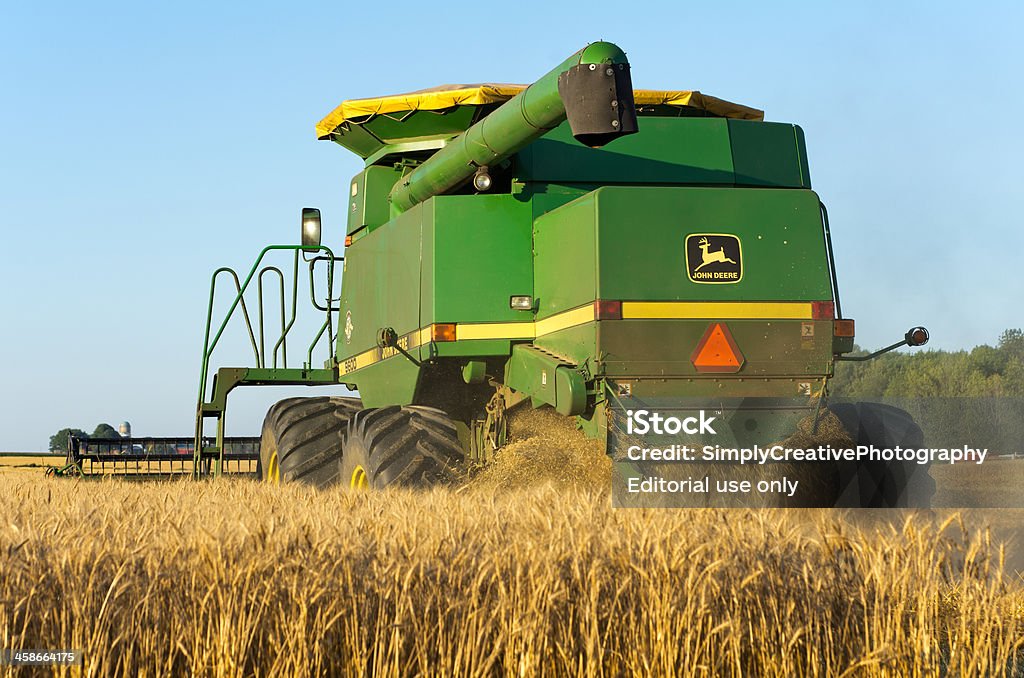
(569, 244)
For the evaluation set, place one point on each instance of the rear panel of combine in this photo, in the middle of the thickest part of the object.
(693, 274)
(632, 250)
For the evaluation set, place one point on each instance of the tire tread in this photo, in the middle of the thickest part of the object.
(411, 446)
(308, 433)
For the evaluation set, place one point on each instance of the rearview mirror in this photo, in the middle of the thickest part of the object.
(310, 227)
(917, 336)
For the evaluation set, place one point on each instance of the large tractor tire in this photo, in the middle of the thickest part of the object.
(409, 446)
(302, 439)
(879, 484)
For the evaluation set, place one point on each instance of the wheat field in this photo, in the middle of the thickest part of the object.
(526, 573)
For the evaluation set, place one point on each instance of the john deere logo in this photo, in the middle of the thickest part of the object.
(714, 258)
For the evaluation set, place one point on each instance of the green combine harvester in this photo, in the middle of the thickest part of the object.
(574, 244)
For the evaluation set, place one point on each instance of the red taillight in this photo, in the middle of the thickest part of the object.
(607, 310)
(442, 332)
(843, 328)
(823, 310)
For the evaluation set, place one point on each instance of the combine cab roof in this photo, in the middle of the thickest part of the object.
(453, 108)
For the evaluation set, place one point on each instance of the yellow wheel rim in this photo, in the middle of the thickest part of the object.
(273, 470)
(359, 481)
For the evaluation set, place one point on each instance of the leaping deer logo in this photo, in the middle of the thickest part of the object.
(709, 257)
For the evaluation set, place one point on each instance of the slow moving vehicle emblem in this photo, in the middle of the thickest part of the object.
(714, 258)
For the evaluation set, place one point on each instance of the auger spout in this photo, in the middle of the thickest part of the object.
(592, 89)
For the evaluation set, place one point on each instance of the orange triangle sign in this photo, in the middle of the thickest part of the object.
(717, 351)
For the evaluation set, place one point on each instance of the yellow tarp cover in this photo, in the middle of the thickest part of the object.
(447, 96)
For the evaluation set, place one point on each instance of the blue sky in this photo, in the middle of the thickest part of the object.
(145, 144)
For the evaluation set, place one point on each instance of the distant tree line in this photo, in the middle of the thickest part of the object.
(973, 397)
(59, 440)
(984, 371)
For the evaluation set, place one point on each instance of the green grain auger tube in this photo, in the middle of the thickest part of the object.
(575, 244)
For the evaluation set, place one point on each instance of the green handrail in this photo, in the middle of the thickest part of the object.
(259, 350)
(208, 346)
(263, 347)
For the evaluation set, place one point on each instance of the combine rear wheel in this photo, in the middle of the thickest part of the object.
(302, 439)
(879, 484)
(409, 446)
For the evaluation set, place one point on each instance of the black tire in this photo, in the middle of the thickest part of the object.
(879, 484)
(302, 439)
(409, 446)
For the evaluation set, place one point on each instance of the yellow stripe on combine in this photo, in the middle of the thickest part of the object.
(358, 361)
(577, 316)
(409, 341)
(724, 310)
(525, 330)
(631, 310)
(494, 331)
